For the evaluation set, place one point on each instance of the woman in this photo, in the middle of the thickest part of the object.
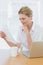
(28, 31)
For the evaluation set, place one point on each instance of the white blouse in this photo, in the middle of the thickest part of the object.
(36, 34)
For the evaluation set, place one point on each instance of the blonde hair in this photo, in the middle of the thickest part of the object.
(25, 10)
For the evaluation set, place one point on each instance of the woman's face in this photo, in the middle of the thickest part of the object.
(25, 19)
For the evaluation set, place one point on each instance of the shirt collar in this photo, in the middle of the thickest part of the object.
(33, 26)
(32, 29)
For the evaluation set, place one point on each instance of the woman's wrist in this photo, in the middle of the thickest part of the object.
(27, 32)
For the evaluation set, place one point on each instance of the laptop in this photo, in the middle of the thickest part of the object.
(35, 51)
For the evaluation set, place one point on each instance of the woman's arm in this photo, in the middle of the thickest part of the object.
(10, 43)
(29, 40)
(3, 35)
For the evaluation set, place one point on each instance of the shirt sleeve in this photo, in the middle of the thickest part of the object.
(37, 34)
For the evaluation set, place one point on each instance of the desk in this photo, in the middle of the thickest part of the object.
(22, 60)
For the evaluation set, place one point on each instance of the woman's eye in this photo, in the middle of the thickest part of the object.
(23, 18)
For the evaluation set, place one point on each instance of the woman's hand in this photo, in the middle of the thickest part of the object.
(2, 35)
(25, 28)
